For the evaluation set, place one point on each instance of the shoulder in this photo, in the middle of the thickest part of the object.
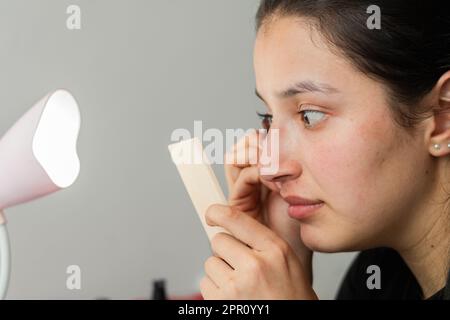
(396, 280)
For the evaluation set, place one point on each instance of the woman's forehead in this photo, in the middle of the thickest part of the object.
(290, 51)
(292, 47)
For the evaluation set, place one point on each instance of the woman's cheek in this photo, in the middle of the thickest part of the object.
(343, 168)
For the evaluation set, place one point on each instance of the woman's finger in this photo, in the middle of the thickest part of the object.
(242, 227)
(233, 166)
(238, 152)
(245, 183)
(241, 180)
(231, 250)
(270, 185)
(218, 271)
(245, 151)
(208, 289)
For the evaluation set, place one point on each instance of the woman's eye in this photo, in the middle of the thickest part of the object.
(311, 117)
(266, 120)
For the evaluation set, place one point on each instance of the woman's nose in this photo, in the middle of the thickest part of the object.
(279, 157)
(288, 170)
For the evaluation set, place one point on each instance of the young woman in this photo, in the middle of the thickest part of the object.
(363, 117)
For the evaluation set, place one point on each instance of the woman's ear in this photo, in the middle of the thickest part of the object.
(440, 137)
(444, 91)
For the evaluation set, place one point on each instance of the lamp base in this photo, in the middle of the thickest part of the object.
(5, 258)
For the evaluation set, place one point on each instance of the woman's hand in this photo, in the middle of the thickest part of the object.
(246, 191)
(260, 199)
(251, 263)
(266, 212)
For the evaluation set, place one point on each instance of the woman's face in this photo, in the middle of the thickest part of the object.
(346, 151)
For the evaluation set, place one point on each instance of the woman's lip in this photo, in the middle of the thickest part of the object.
(303, 211)
(295, 200)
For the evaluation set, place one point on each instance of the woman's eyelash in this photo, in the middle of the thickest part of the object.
(266, 118)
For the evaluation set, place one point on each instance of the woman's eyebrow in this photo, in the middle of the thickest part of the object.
(303, 87)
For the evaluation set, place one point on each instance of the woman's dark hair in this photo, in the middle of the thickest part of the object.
(408, 54)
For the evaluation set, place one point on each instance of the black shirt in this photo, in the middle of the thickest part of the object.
(397, 281)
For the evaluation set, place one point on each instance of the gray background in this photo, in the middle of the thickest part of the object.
(139, 70)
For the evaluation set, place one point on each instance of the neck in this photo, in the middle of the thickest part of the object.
(428, 258)
(425, 241)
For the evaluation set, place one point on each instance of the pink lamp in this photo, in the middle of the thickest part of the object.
(37, 157)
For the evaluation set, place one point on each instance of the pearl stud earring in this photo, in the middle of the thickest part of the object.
(437, 146)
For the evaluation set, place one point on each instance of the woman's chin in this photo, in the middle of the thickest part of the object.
(319, 240)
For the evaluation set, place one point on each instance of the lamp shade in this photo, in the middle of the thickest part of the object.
(38, 154)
